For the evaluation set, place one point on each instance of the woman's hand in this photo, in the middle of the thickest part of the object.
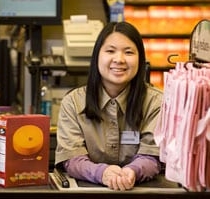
(130, 176)
(118, 178)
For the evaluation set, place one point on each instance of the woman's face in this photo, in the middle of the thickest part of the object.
(118, 61)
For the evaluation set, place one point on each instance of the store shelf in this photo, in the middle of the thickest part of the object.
(73, 70)
(166, 26)
(36, 72)
(165, 2)
(172, 36)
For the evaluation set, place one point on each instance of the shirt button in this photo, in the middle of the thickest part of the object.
(113, 123)
(112, 102)
(114, 146)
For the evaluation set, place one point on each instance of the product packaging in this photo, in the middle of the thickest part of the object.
(24, 150)
(116, 9)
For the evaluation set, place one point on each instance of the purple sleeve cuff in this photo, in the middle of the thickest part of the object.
(83, 169)
(145, 167)
(99, 172)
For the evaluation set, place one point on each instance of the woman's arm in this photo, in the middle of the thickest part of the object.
(81, 167)
(145, 167)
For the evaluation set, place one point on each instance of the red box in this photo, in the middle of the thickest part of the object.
(24, 150)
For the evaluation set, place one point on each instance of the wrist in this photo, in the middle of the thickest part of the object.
(99, 172)
(136, 170)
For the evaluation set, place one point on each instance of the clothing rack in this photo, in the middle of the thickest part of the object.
(199, 52)
(182, 132)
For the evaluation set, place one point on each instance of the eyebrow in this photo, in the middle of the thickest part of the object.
(112, 46)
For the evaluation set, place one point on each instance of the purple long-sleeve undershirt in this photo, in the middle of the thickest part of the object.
(83, 168)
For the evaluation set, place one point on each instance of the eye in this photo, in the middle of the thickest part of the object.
(110, 51)
(129, 52)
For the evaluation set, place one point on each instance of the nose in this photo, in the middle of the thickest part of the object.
(119, 57)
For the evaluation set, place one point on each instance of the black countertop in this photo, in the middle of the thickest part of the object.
(154, 189)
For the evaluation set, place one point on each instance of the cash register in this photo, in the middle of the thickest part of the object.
(79, 36)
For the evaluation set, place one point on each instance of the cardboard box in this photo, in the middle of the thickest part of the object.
(24, 150)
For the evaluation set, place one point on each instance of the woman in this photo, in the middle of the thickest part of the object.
(105, 128)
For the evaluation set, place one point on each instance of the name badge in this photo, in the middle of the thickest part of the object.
(129, 137)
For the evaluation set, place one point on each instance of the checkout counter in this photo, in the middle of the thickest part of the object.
(154, 189)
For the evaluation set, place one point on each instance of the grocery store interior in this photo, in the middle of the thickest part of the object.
(36, 48)
(165, 26)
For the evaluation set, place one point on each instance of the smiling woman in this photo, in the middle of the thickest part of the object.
(118, 63)
(105, 129)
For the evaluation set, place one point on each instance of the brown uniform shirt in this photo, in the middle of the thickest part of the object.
(77, 135)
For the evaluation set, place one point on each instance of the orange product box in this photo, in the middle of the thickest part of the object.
(158, 19)
(205, 12)
(156, 79)
(24, 150)
(175, 20)
(192, 15)
(178, 47)
(157, 52)
(138, 17)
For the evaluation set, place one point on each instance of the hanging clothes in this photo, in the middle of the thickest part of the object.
(183, 130)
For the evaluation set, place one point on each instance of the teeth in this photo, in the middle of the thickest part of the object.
(118, 69)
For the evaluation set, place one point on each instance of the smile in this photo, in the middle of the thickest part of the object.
(118, 69)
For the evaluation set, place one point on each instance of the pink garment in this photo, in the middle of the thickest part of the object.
(183, 145)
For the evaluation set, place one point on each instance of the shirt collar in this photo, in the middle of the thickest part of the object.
(121, 98)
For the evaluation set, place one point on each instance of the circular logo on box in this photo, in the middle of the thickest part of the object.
(28, 140)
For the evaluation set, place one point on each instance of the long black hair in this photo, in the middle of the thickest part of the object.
(137, 85)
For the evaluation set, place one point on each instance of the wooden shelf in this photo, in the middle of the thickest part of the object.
(74, 70)
(171, 36)
(166, 2)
